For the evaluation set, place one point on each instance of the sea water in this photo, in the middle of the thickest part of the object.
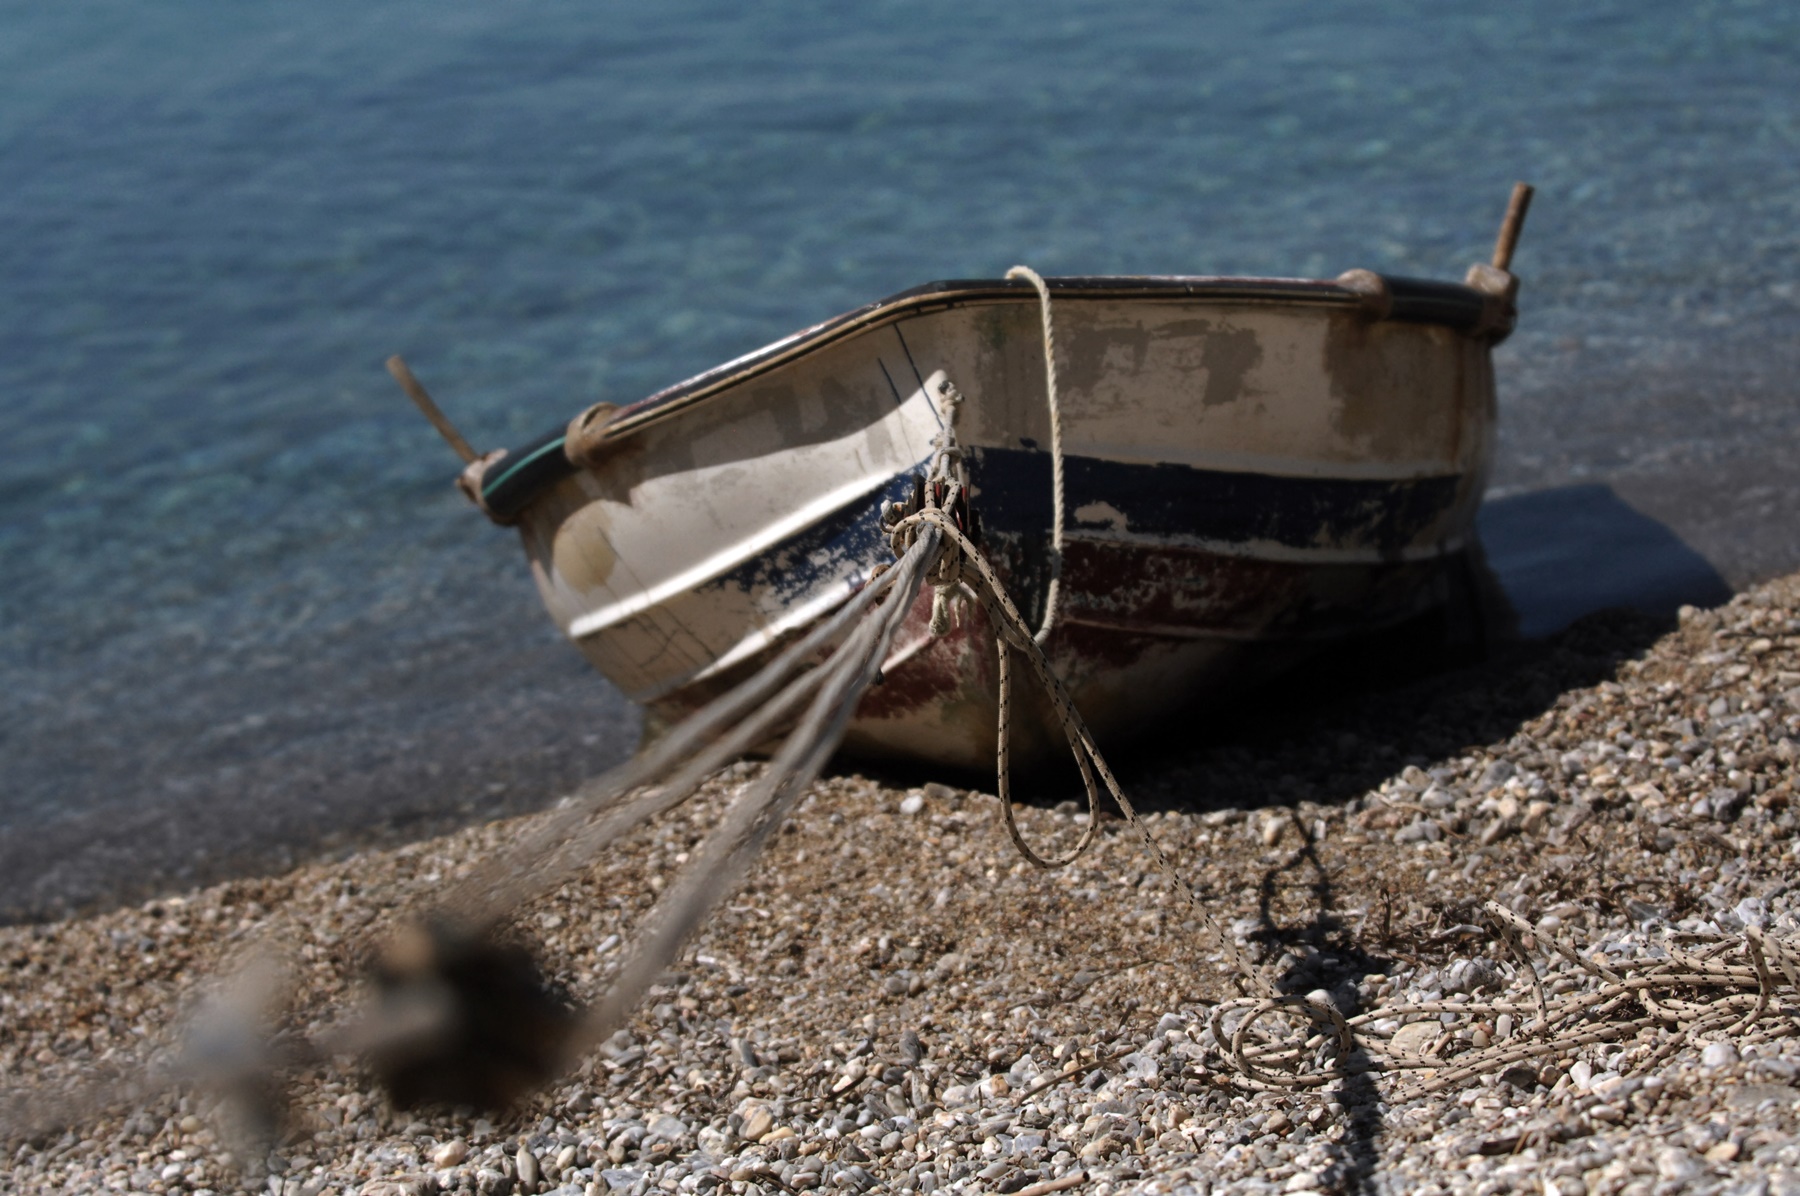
(241, 609)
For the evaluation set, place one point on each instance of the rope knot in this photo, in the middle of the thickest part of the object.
(943, 501)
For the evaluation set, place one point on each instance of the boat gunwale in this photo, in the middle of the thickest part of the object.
(1425, 301)
(944, 295)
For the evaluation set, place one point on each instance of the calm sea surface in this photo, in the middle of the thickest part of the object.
(241, 606)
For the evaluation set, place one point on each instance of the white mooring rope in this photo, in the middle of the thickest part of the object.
(1052, 596)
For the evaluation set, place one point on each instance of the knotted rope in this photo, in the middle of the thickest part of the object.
(941, 503)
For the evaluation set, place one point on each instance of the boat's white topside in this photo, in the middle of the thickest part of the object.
(1304, 438)
(729, 512)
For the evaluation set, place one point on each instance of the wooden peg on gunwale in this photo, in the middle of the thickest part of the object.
(1513, 225)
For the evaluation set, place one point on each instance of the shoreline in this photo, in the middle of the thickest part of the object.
(322, 739)
(892, 964)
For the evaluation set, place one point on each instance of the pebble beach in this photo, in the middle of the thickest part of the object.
(272, 689)
(896, 1002)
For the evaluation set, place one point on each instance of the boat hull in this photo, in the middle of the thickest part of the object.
(1249, 474)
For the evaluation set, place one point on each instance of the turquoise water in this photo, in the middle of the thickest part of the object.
(241, 603)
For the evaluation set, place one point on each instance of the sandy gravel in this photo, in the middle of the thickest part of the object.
(896, 1002)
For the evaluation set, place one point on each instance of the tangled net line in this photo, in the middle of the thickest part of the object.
(1660, 1003)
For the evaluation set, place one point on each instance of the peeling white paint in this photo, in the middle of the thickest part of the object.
(1102, 512)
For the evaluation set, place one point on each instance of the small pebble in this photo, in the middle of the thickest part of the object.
(758, 1121)
(1415, 1037)
(525, 1166)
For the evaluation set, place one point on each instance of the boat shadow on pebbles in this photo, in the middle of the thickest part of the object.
(1352, 718)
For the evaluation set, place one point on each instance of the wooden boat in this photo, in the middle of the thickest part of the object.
(1253, 467)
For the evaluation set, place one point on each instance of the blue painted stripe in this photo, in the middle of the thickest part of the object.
(1157, 500)
(813, 557)
(1013, 496)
